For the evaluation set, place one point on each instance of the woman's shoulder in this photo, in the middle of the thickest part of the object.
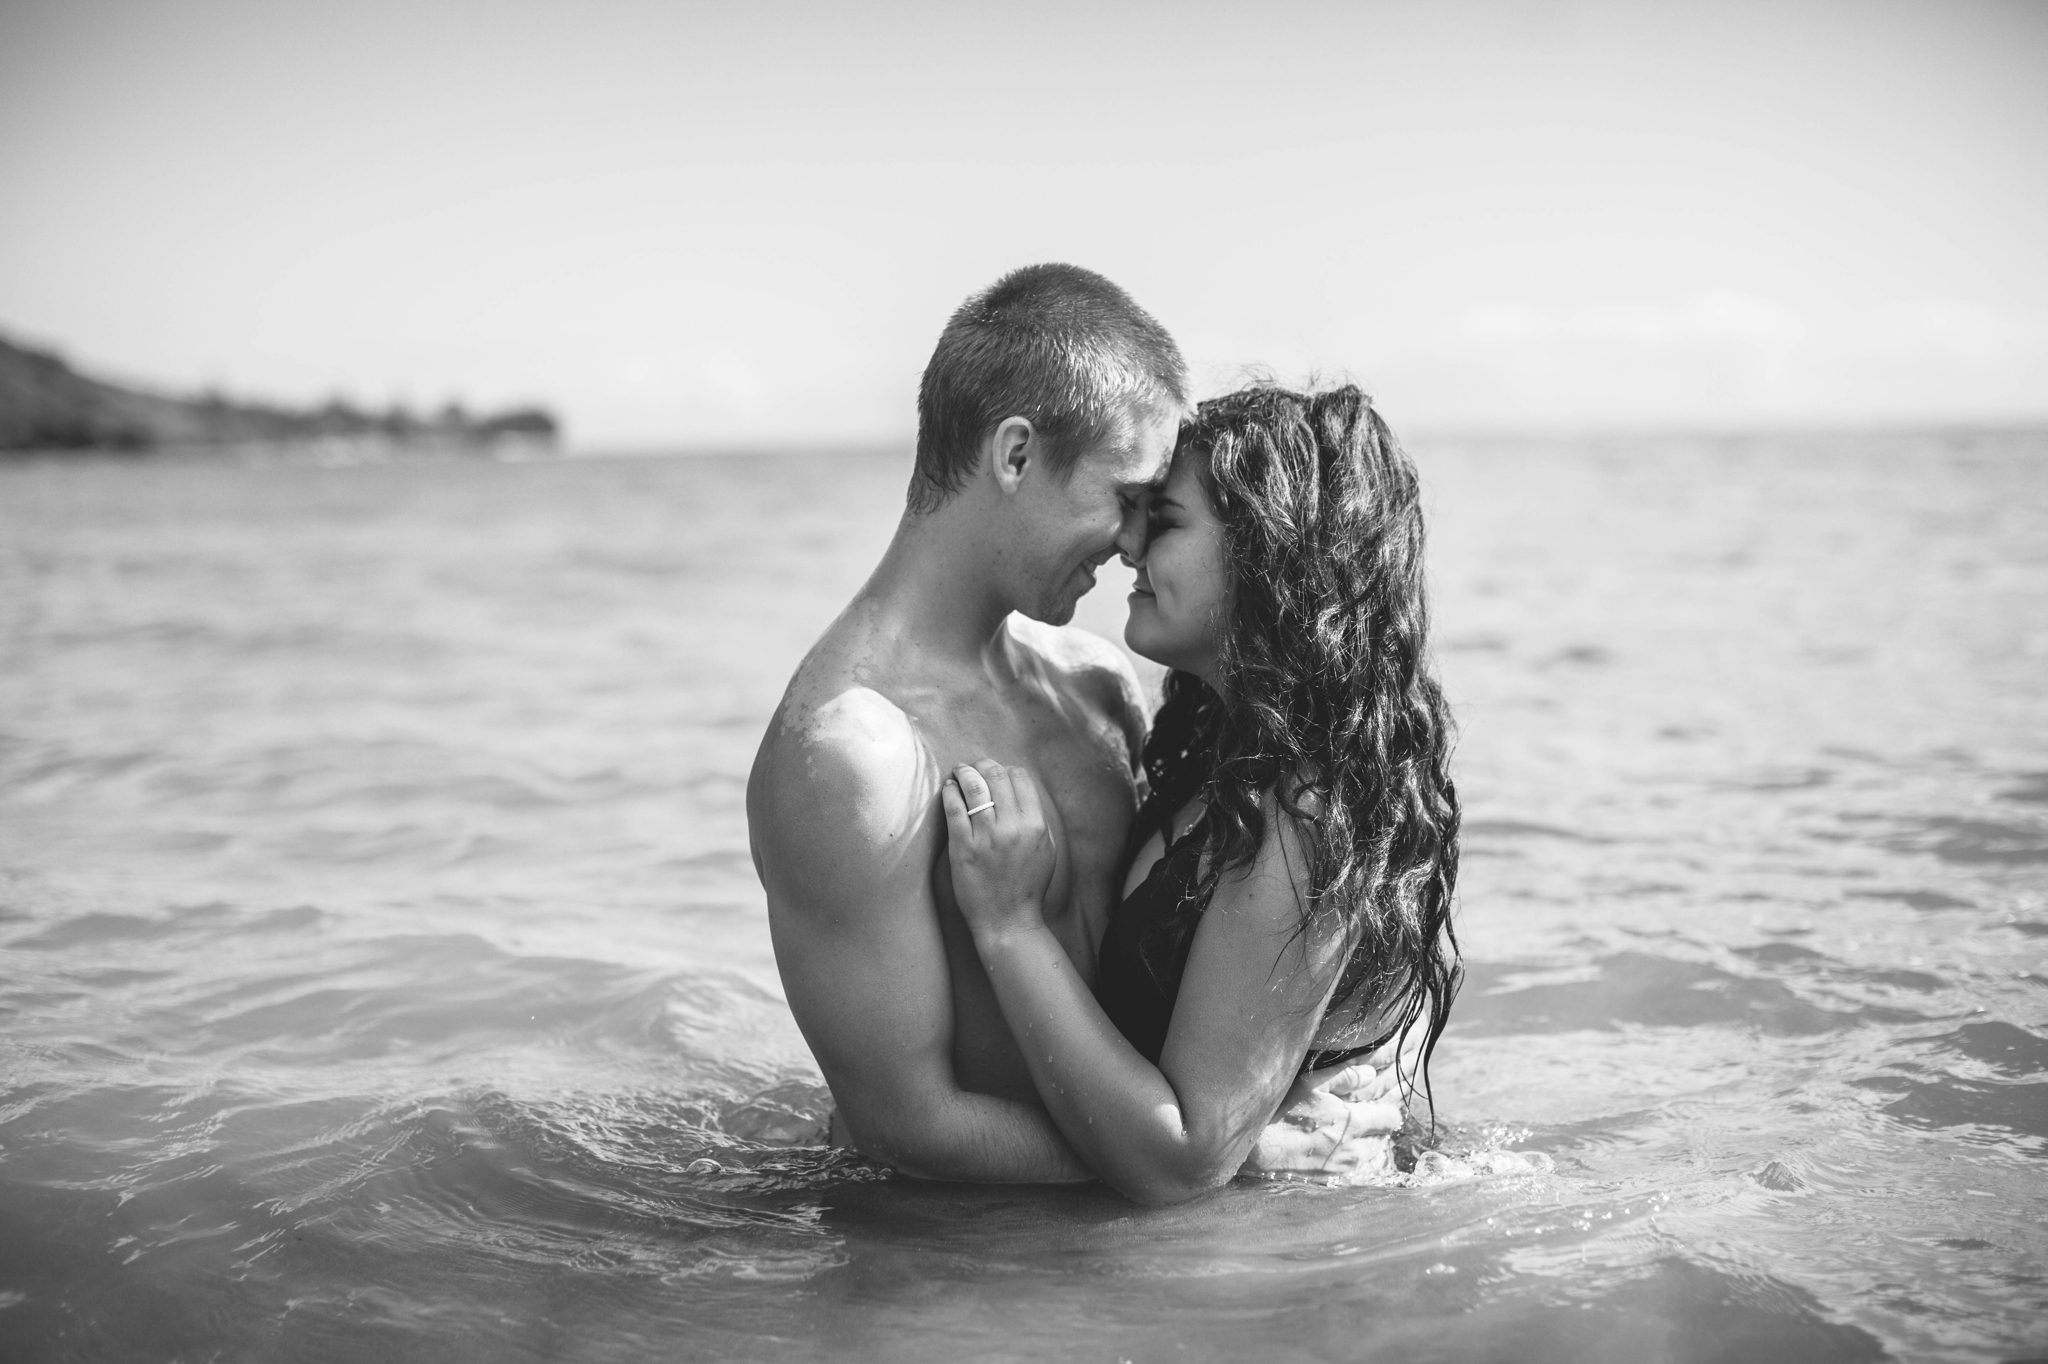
(1277, 871)
(1290, 813)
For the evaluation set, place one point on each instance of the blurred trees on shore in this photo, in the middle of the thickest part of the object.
(47, 405)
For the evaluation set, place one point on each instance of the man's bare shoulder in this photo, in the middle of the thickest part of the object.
(1090, 665)
(840, 764)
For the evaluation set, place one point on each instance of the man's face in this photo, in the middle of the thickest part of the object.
(1098, 510)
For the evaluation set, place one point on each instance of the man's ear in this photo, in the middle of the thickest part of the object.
(1012, 447)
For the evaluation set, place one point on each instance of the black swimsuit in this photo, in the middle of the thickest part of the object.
(1138, 994)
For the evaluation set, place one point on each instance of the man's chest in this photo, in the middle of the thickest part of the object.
(1083, 772)
(1083, 768)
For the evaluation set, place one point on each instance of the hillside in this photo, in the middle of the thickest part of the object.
(47, 405)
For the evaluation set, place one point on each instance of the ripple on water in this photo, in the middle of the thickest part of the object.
(1648, 990)
(1925, 900)
(1975, 842)
(1993, 1085)
(1983, 1112)
(2032, 789)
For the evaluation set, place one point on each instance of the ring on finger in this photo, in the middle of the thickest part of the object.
(985, 805)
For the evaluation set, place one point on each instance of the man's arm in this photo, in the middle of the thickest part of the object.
(842, 815)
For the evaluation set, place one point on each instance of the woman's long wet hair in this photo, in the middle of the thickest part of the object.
(1329, 707)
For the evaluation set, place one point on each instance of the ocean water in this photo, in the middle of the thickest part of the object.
(383, 975)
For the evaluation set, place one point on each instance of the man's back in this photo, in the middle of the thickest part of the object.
(848, 837)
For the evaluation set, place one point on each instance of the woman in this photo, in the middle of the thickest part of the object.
(1287, 904)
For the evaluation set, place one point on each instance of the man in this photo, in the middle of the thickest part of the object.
(1046, 416)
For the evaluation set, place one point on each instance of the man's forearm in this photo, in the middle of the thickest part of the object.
(982, 1139)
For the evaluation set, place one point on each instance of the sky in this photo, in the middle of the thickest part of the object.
(744, 225)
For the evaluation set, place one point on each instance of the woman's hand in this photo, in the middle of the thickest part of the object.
(1002, 854)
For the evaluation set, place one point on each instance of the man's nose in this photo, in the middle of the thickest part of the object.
(1130, 536)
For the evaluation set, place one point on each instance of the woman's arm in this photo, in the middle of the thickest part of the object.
(1250, 1001)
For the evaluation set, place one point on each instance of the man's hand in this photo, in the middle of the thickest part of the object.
(1335, 1126)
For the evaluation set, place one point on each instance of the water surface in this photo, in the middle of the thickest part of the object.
(384, 976)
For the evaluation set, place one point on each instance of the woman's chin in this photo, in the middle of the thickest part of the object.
(1137, 640)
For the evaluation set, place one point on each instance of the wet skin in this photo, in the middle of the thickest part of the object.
(1063, 705)
(928, 668)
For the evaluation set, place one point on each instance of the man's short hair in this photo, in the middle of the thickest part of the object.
(1057, 345)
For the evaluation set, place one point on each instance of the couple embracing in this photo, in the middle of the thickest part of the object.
(1032, 937)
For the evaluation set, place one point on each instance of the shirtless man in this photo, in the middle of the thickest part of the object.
(1047, 414)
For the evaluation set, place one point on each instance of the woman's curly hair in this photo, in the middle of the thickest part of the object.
(1328, 706)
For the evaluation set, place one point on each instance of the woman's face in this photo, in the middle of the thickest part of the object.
(1182, 601)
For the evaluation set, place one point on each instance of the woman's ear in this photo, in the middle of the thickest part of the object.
(1012, 447)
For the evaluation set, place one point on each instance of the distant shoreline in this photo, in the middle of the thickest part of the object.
(48, 409)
